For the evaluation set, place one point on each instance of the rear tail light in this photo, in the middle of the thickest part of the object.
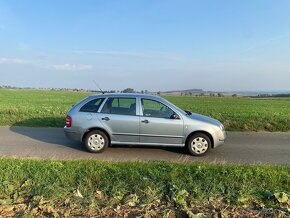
(68, 121)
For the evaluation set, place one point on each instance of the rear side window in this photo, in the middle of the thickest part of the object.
(122, 106)
(92, 106)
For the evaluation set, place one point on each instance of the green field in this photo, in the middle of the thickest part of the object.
(48, 108)
(104, 189)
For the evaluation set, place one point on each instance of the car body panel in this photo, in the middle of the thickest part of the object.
(161, 130)
(115, 125)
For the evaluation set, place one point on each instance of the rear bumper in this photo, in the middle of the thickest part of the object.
(72, 134)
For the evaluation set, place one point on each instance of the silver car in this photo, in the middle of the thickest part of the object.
(137, 119)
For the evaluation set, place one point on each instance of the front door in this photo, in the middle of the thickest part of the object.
(160, 124)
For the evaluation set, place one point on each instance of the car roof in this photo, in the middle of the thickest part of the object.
(134, 95)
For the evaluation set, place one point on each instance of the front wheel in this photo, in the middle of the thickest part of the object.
(198, 144)
(96, 141)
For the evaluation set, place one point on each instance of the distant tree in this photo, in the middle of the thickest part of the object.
(220, 94)
(128, 90)
(181, 93)
(264, 95)
(190, 93)
(201, 94)
(281, 95)
(234, 95)
(158, 93)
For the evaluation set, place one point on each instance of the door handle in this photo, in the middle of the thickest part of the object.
(106, 118)
(145, 121)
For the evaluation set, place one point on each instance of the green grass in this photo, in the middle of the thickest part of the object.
(48, 108)
(36, 107)
(135, 184)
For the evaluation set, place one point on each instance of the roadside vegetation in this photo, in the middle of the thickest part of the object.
(48, 109)
(156, 189)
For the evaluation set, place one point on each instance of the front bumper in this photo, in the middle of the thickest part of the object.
(220, 138)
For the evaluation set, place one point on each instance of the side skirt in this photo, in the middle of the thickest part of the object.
(148, 144)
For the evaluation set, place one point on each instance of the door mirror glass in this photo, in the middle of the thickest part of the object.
(175, 116)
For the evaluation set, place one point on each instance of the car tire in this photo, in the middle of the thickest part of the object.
(96, 141)
(198, 144)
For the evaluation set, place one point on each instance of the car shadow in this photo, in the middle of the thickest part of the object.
(176, 150)
(56, 136)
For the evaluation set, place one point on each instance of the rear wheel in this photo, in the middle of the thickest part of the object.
(198, 144)
(96, 141)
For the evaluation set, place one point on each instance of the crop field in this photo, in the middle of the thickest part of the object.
(48, 108)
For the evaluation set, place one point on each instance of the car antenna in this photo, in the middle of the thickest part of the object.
(98, 87)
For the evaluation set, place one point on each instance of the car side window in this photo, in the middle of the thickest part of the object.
(92, 106)
(122, 106)
(153, 108)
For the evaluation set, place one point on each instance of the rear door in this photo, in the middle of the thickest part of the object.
(118, 116)
(160, 124)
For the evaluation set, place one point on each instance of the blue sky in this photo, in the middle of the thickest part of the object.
(153, 44)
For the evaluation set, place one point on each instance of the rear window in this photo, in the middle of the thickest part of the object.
(92, 106)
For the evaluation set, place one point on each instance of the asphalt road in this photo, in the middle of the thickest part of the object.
(50, 143)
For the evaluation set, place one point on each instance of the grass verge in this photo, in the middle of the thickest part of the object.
(155, 189)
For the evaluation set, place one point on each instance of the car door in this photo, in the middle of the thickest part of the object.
(159, 124)
(118, 116)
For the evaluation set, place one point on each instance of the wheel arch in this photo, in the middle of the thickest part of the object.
(200, 131)
(96, 128)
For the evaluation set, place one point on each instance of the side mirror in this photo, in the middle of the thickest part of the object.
(175, 116)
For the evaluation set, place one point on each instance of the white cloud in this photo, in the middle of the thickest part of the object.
(167, 56)
(13, 61)
(72, 67)
(45, 65)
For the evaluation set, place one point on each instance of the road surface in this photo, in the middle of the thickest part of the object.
(50, 143)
